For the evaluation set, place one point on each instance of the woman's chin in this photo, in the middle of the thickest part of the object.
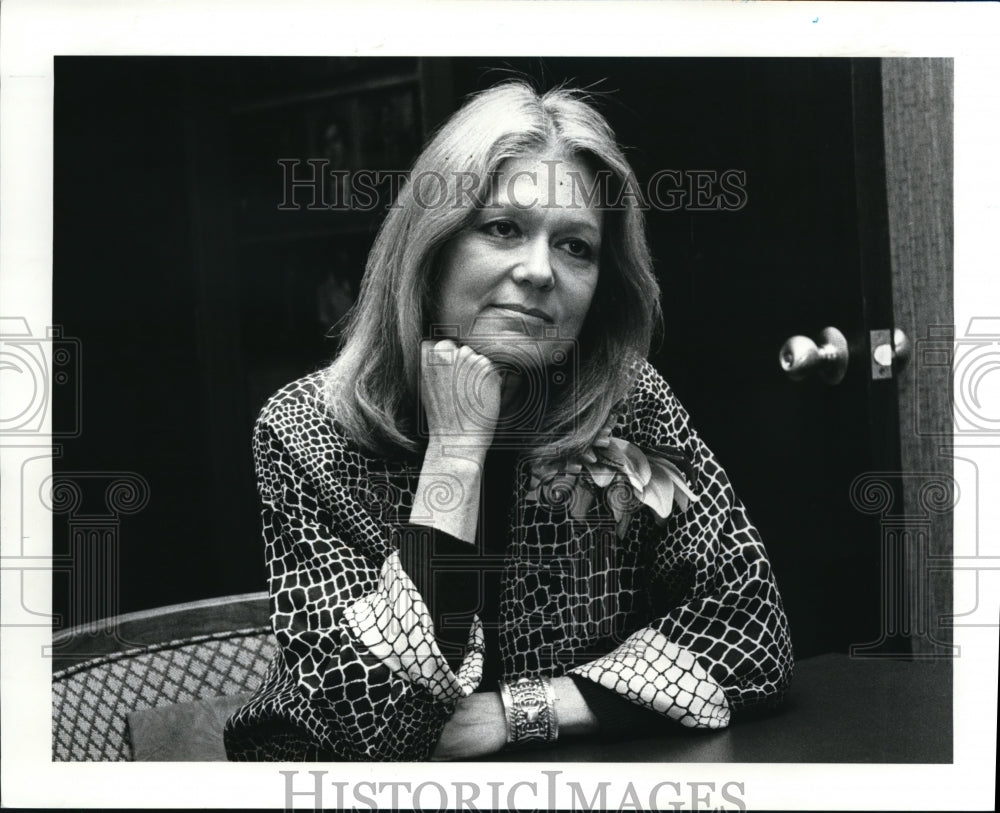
(518, 352)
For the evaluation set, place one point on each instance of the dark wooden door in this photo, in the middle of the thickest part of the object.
(807, 249)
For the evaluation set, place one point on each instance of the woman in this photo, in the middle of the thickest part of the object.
(488, 522)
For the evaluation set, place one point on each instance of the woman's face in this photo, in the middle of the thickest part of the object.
(518, 282)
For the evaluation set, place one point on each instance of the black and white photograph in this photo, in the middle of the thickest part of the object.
(501, 431)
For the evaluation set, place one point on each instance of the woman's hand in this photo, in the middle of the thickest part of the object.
(460, 392)
(477, 728)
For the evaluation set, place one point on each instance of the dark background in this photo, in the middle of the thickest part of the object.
(194, 297)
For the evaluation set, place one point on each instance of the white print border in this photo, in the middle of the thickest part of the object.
(33, 32)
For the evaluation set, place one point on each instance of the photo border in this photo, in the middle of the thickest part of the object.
(31, 33)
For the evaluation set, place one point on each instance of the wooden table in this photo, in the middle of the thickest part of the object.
(839, 709)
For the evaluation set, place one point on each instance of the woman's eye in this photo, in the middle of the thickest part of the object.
(579, 248)
(501, 228)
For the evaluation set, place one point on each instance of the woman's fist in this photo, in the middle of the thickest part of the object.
(459, 392)
(476, 729)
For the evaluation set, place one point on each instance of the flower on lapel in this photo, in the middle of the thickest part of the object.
(629, 476)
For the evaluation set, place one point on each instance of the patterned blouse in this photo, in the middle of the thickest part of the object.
(680, 615)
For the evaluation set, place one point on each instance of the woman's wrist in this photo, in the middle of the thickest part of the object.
(539, 710)
(529, 706)
(575, 716)
(464, 450)
(447, 495)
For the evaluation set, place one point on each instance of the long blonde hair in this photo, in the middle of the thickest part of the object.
(371, 386)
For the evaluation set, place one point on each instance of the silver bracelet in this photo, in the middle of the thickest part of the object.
(529, 704)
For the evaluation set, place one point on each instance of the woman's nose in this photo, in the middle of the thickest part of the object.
(535, 265)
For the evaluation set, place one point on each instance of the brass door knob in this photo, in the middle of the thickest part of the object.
(800, 356)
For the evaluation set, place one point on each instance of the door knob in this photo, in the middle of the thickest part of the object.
(801, 356)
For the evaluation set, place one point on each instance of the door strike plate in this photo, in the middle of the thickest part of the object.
(882, 354)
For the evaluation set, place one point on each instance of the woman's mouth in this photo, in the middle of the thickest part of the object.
(516, 310)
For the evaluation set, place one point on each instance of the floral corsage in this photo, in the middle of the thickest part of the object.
(629, 477)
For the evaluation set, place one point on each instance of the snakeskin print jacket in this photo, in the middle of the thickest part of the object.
(682, 616)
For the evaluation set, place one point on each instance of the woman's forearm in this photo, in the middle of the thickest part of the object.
(572, 712)
(447, 495)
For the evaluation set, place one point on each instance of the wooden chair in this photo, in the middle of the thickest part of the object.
(201, 650)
